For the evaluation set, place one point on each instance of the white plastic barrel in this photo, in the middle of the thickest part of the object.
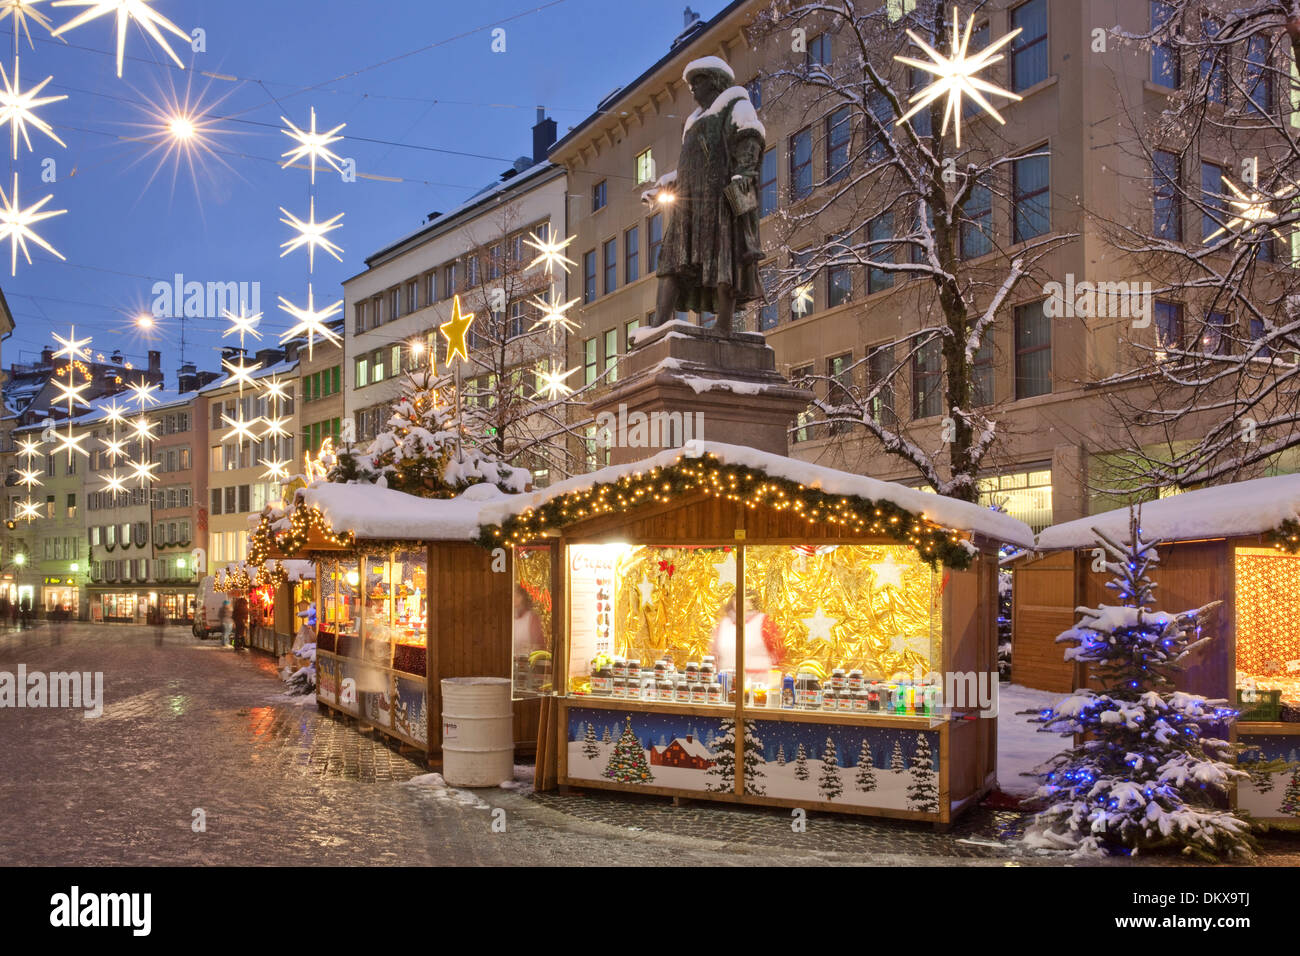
(478, 731)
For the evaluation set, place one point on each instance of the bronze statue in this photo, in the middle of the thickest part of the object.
(709, 258)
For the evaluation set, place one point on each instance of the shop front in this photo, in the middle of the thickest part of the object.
(273, 592)
(119, 607)
(60, 595)
(742, 627)
(1237, 544)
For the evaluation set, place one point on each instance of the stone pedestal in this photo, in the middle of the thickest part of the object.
(680, 382)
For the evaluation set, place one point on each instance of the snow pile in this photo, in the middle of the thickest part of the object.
(372, 511)
(436, 787)
(300, 674)
(1023, 748)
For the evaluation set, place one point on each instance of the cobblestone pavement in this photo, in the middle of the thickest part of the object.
(190, 726)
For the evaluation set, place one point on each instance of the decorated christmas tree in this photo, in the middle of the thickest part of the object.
(829, 784)
(866, 776)
(722, 775)
(590, 749)
(801, 763)
(896, 761)
(780, 755)
(1145, 776)
(921, 792)
(627, 763)
(1291, 796)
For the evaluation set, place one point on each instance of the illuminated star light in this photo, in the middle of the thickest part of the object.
(21, 10)
(114, 413)
(275, 428)
(74, 348)
(241, 373)
(1251, 211)
(29, 510)
(28, 478)
(30, 447)
(803, 297)
(243, 324)
(240, 428)
(16, 109)
(553, 316)
(954, 76)
(311, 320)
(142, 394)
(455, 329)
(125, 11)
(142, 428)
(551, 382)
(550, 253)
(142, 471)
(311, 234)
(114, 482)
(71, 392)
(312, 144)
(276, 470)
(114, 448)
(16, 226)
(275, 387)
(70, 443)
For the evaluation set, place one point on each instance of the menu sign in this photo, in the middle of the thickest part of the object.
(591, 603)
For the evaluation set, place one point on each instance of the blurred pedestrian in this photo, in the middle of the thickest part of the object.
(240, 615)
(227, 623)
(159, 620)
(27, 613)
(13, 615)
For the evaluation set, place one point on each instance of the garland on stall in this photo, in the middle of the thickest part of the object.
(852, 514)
(1286, 537)
(272, 575)
(302, 522)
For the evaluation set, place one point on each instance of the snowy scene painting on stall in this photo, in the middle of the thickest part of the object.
(659, 750)
(1274, 794)
(857, 766)
(327, 684)
(411, 710)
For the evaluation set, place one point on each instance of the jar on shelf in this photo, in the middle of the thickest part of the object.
(760, 695)
(873, 696)
(692, 672)
(620, 667)
(649, 690)
(860, 704)
(634, 670)
(714, 692)
(855, 680)
(602, 681)
(708, 668)
(661, 668)
(838, 680)
(699, 693)
(682, 691)
(664, 689)
(807, 691)
(844, 700)
(620, 688)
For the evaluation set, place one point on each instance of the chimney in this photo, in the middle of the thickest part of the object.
(187, 379)
(543, 135)
(689, 16)
(689, 737)
(116, 357)
(155, 363)
(230, 353)
(47, 356)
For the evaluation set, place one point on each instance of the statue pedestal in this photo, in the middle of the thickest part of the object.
(680, 382)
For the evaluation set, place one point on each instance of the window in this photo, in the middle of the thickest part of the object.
(628, 331)
(768, 312)
(1211, 65)
(916, 81)
(589, 276)
(611, 353)
(1214, 337)
(589, 360)
(883, 113)
(819, 51)
(754, 89)
(243, 499)
(216, 415)
(837, 145)
(975, 237)
(1258, 332)
(1259, 82)
(363, 372)
(1212, 199)
(982, 372)
(979, 39)
(804, 295)
(1033, 351)
(656, 230)
(927, 379)
(645, 166)
(228, 505)
(471, 272)
(515, 327)
(895, 10)
(611, 265)
(880, 370)
(801, 164)
(360, 311)
(72, 506)
(1030, 200)
(768, 195)
(838, 368)
(839, 279)
(394, 304)
(1168, 219)
(377, 365)
(632, 255)
(1165, 64)
(449, 287)
(599, 196)
(1029, 49)
(880, 234)
(803, 420)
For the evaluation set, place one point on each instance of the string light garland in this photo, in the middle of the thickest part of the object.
(1286, 537)
(845, 514)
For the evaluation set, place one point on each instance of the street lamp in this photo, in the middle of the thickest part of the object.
(20, 559)
(75, 567)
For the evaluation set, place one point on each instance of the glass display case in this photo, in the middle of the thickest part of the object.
(338, 615)
(532, 642)
(1268, 635)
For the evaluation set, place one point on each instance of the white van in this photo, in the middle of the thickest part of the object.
(207, 609)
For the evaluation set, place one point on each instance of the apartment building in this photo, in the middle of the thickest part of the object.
(322, 410)
(178, 501)
(1034, 372)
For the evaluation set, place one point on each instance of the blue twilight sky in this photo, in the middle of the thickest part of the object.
(135, 217)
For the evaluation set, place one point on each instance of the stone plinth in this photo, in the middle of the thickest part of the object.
(681, 382)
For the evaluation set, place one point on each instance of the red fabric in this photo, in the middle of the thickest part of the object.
(772, 641)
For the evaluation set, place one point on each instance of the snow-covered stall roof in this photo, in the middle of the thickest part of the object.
(1244, 507)
(378, 513)
(944, 511)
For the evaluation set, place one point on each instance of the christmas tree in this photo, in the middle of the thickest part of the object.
(801, 763)
(896, 761)
(921, 792)
(780, 755)
(866, 777)
(606, 737)
(829, 785)
(627, 763)
(722, 775)
(1146, 776)
(754, 761)
(590, 750)
(1291, 797)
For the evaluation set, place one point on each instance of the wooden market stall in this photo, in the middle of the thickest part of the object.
(1234, 543)
(404, 598)
(858, 596)
(273, 590)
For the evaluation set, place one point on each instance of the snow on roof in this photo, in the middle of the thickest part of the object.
(947, 512)
(375, 512)
(1244, 507)
(693, 748)
(297, 570)
(279, 368)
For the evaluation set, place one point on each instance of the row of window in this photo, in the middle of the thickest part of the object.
(173, 423)
(126, 535)
(228, 546)
(1167, 205)
(242, 499)
(316, 433)
(248, 408)
(171, 534)
(1211, 69)
(172, 496)
(62, 549)
(123, 569)
(322, 384)
(604, 263)
(127, 498)
(234, 456)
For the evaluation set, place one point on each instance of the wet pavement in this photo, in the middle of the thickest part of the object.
(200, 758)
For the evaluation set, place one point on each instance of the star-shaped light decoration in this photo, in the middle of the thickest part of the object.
(124, 12)
(647, 590)
(276, 470)
(30, 477)
(67, 441)
(550, 253)
(553, 316)
(29, 447)
(551, 382)
(275, 428)
(455, 329)
(242, 324)
(889, 573)
(241, 428)
(725, 569)
(71, 391)
(22, 11)
(142, 471)
(312, 145)
(114, 482)
(143, 429)
(142, 394)
(114, 448)
(311, 234)
(819, 625)
(802, 298)
(275, 388)
(1250, 211)
(114, 414)
(28, 510)
(16, 226)
(74, 349)
(17, 106)
(954, 75)
(241, 372)
(311, 320)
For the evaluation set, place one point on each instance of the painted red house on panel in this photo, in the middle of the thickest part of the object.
(682, 752)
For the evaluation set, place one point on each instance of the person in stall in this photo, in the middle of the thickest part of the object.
(526, 625)
(763, 642)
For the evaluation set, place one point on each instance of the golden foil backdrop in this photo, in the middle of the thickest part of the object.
(683, 609)
(881, 631)
(533, 571)
(1268, 611)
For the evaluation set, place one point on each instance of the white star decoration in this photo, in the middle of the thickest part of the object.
(889, 574)
(29, 510)
(1251, 210)
(124, 12)
(725, 569)
(16, 226)
(819, 625)
(311, 234)
(551, 382)
(21, 11)
(954, 75)
(553, 316)
(647, 591)
(142, 471)
(69, 442)
(114, 482)
(242, 373)
(241, 428)
(242, 324)
(803, 297)
(142, 394)
(312, 145)
(73, 348)
(276, 470)
(550, 253)
(16, 109)
(311, 320)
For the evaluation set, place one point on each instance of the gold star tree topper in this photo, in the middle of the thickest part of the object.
(455, 329)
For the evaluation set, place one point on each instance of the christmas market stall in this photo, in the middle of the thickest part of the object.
(404, 599)
(1238, 544)
(736, 625)
(274, 591)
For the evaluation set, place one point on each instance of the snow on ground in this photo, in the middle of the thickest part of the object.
(1020, 746)
(437, 787)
